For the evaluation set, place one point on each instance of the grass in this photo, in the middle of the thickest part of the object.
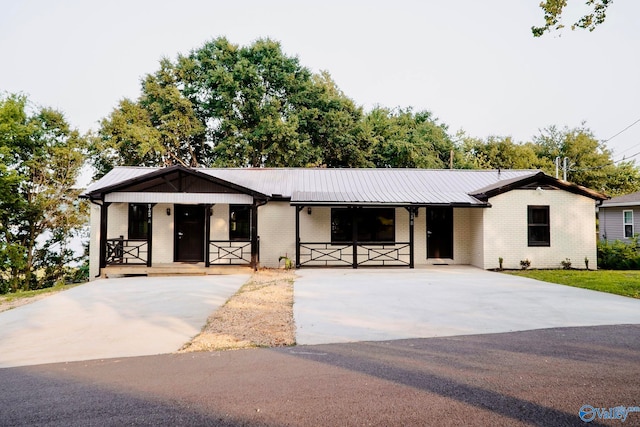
(30, 294)
(619, 282)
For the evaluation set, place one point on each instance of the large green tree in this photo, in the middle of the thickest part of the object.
(229, 105)
(40, 160)
(553, 10)
(500, 153)
(590, 162)
(404, 139)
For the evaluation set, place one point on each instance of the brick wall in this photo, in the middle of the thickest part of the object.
(277, 231)
(572, 230)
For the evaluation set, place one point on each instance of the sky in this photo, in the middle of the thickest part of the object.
(474, 64)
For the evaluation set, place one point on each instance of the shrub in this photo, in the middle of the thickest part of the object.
(525, 263)
(566, 264)
(618, 255)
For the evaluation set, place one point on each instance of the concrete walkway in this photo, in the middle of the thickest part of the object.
(113, 318)
(343, 305)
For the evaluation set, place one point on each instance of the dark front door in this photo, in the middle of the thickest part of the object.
(440, 232)
(189, 237)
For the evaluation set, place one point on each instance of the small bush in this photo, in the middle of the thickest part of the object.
(566, 264)
(525, 263)
(618, 255)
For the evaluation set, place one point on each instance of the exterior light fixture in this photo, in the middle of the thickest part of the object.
(309, 210)
(168, 211)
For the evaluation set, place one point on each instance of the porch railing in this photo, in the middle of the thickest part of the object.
(327, 254)
(391, 254)
(230, 252)
(121, 251)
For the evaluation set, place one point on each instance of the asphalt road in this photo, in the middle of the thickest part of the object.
(540, 377)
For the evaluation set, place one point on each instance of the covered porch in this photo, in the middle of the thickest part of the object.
(176, 221)
(355, 235)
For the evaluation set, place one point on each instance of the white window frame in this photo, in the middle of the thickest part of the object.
(625, 223)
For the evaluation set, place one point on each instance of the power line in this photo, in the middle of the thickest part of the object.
(631, 125)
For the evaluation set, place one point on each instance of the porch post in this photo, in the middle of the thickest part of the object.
(254, 235)
(298, 209)
(412, 212)
(103, 233)
(354, 235)
(207, 234)
(149, 232)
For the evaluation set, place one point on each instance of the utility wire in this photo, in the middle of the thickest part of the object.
(631, 125)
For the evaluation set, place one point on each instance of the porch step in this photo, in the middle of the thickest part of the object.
(173, 270)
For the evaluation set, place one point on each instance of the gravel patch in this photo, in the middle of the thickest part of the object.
(260, 314)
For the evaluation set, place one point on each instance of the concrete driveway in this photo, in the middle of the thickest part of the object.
(343, 305)
(113, 318)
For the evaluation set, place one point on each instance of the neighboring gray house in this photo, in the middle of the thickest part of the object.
(174, 219)
(620, 217)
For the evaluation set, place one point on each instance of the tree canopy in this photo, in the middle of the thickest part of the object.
(40, 160)
(226, 105)
(553, 10)
(231, 106)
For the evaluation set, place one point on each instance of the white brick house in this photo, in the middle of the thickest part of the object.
(176, 217)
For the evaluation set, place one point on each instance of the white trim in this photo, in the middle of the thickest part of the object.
(625, 223)
(180, 198)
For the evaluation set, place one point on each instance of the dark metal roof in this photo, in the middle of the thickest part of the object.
(539, 178)
(356, 186)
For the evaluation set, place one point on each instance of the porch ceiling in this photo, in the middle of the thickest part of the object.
(179, 198)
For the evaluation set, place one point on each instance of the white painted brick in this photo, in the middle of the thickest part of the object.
(572, 221)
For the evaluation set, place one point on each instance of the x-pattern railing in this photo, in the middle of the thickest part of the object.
(325, 254)
(230, 252)
(393, 254)
(122, 251)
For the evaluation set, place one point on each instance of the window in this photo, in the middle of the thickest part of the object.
(627, 221)
(375, 225)
(138, 221)
(538, 225)
(239, 222)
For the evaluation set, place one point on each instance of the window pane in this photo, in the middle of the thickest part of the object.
(628, 217)
(340, 225)
(539, 229)
(628, 230)
(138, 221)
(239, 222)
(374, 224)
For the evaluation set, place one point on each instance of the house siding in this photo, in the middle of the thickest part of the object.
(572, 230)
(611, 222)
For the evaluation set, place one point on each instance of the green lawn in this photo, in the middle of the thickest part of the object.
(620, 282)
(29, 294)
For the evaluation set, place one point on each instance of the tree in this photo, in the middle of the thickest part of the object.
(501, 153)
(230, 106)
(590, 162)
(553, 10)
(40, 159)
(159, 129)
(404, 139)
(251, 100)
